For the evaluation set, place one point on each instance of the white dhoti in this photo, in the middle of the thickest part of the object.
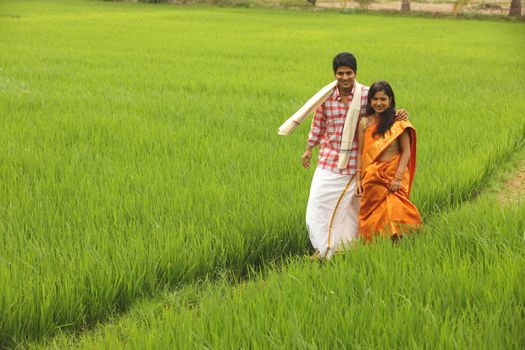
(332, 212)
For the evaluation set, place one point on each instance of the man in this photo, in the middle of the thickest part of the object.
(333, 208)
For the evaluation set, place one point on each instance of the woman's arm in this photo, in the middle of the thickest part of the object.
(404, 142)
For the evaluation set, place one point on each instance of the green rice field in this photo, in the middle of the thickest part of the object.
(141, 171)
(458, 286)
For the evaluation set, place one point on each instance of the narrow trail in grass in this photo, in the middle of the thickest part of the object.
(513, 191)
(507, 183)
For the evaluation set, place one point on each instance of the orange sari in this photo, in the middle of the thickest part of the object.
(381, 211)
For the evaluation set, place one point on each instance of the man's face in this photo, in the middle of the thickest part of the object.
(345, 77)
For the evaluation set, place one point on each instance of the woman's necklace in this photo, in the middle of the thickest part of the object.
(373, 119)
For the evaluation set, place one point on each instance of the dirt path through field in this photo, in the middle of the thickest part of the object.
(513, 191)
(494, 9)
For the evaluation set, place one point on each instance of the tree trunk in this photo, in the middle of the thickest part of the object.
(515, 8)
(405, 5)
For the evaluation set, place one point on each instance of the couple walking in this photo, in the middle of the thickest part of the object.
(366, 163)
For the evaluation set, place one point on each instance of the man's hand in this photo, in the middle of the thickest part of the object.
(401, 114)
(307, 156)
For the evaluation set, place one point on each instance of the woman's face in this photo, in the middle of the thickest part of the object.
(380, 102)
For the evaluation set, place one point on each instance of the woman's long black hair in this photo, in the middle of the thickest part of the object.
(389, 115)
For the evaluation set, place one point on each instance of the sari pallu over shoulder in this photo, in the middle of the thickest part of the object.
(373, 149)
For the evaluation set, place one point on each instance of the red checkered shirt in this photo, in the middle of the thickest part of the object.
(327, 131)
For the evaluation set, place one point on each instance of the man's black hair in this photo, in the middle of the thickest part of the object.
(345, 59)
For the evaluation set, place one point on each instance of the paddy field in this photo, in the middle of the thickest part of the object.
(147, 201)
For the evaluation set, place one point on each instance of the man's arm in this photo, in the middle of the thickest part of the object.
(317, 130)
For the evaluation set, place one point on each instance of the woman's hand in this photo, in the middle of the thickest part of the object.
(358, 188)
(305, 159)
(395, 185)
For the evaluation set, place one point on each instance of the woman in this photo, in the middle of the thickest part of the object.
(386, 162)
